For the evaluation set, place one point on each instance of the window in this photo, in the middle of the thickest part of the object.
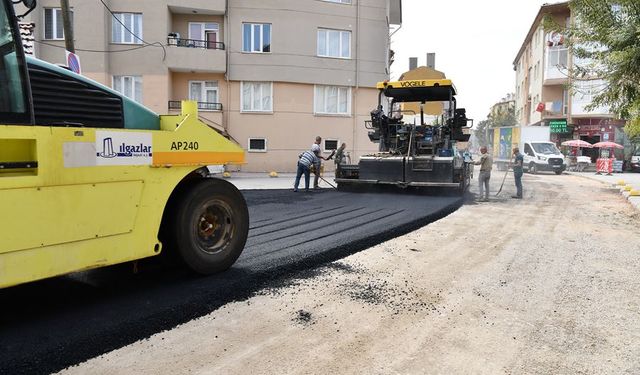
(332, 100)
(203, 34)
(203, 91)
(528, 150)
(123, 21)
(53, 28)
(330, 145)
(256, 37)
(13, 103)
(565, 102)
(257, 145)
(557, 57)
(257, 97)
(334, 43)
(129, 86)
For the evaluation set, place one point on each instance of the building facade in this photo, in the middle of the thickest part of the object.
(272, 74)
(545, 93)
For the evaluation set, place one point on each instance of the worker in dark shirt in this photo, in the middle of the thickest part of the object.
(518, 161)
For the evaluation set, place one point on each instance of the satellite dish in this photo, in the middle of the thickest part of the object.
(30, 4)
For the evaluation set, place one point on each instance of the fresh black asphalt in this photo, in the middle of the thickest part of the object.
(48, 325)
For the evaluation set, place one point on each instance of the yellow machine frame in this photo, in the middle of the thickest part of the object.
(78, 209)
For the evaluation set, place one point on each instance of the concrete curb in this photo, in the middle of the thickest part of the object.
(630, 192)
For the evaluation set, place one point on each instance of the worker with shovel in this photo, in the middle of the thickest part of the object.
(517, 172)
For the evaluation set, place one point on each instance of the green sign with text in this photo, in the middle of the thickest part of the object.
(558, 126)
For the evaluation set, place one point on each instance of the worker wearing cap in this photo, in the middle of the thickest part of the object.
(306, 160)
(486, 164)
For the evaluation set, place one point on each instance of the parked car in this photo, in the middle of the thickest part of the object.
(635, 161)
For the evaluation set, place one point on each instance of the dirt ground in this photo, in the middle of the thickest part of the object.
(546, 285)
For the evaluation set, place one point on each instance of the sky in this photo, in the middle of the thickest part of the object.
(475, 42)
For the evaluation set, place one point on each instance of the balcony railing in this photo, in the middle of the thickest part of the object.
(194, 43)
(202, 106)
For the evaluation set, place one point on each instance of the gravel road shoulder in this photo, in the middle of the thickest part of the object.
(543, 285)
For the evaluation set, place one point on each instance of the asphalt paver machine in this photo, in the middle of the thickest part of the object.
(422, 152)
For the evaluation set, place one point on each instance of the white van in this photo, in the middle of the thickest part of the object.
(543, 156)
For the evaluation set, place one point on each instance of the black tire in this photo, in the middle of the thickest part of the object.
(211, 226)
(532, 168)
(558, 172)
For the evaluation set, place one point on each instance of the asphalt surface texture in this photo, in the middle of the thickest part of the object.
(49, 325)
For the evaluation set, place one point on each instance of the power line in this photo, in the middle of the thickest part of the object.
(95, 50)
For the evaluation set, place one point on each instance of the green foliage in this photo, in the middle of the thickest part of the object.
(481, 130)
(605, 40)
(505, 116)
(632, 128)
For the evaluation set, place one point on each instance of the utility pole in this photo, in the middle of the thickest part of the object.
(67, 26)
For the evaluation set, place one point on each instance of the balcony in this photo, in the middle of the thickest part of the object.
(193, 43)
(197, 6)
(197, 56)
(554, 109)
(176, 105)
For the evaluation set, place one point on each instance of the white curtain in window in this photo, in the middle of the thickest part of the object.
(256, 96)
(319, 97)
(127, 84)
(334, 43)
(322, 42)
(345, 37)
(332, 99)
(343, 100)
(195, 31)
(246, 96)
(212, 96)
(195, 92)
(137, 89)
(266, 97)
(116, 29)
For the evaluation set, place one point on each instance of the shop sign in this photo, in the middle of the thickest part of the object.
(558, 126)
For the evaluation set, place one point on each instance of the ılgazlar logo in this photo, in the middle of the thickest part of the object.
(107, 149)
(125, 150)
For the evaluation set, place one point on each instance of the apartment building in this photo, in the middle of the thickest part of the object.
(546, 95)
(500, 110)
(272, 74)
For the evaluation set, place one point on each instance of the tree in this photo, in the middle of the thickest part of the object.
(481, 131)
(604, 39)
(503, 116)
(632, 128)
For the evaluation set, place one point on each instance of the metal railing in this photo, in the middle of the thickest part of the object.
(194, 43)
(202, 106)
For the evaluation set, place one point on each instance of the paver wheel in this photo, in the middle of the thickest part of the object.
(211, 226)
